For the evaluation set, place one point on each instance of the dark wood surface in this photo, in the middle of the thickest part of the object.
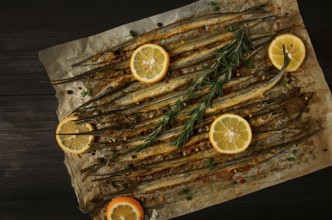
(34, 183)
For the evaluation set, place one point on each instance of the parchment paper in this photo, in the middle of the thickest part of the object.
(315, 153)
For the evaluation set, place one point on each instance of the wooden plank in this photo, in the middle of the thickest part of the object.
(29, 156)
(315, 17)
(50, 208)
(31, 27)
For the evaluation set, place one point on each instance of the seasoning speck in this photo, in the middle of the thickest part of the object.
(131, 34)
(161, 199)
(159, 24)
(100, 160)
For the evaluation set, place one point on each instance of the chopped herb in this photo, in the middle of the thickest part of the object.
(131, 34)
(215, 6)
(285, 84)
(291, 158)
(114, 184)
(211, 163)
(294, 151)
(134, 118)
(230, 28)
(187, 195)
(86, 93)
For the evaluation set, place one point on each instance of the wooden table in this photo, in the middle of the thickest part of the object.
(34, 183)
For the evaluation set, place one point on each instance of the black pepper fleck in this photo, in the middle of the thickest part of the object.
(69, 92)
(159, 24)
(100, 160)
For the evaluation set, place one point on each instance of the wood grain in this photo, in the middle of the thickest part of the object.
(34, 183)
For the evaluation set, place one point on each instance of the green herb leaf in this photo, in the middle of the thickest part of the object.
(188, 197)
(186, 194)
(291, 158)
(86, 93)
(215, 6)
(294, 151)
(211, 163)
(131, 34)
(285, 84)
(134, 118)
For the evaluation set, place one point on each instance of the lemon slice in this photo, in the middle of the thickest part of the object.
(149, 63)
(76, 144)
(295, 49)
(124, 208)
(230, 134)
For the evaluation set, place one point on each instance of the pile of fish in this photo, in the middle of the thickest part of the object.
(124, 111)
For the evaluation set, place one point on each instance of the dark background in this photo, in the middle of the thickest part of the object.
(34, 183)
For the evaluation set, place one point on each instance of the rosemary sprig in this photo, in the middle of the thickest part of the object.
(227, 58)
(226, 63)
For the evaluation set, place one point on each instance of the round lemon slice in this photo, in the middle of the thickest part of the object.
(230, 134)
(294, 47)
(124, 208)
(149, 63)
(76, 144)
